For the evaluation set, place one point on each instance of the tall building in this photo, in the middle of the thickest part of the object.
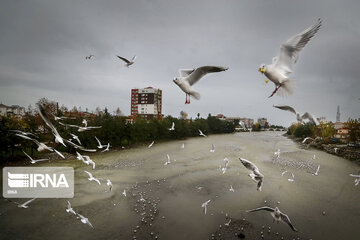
(338, 114)
(146, 102)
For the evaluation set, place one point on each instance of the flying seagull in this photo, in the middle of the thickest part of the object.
(317, 171)
(107, 148)
(85, 220)
(357, 178)
(231, 189)
(201, 133)
(76, 138)
(124, 193)
(89, 57)
(99, 143)
(212, 148)
(277, 215)
(282, 66)
(204, 205)
(91, 178)
(34, 161)
(168, 160)
(151, 144)
(128, 62)
(23, 205)
(69, 209)
(255, 174)
(189, 77)
(299, 118)
(80, 128)
(109, 183)
(172, 127)
(23, 133)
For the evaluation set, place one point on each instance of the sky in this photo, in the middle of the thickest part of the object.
(43, 45)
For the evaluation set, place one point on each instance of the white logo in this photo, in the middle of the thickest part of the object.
(34, 180)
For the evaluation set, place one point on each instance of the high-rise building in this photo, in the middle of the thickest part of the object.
(338, 114)
(146, 102)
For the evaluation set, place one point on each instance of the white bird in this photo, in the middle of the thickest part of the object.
(242, 124)
(282, 66)
(128, 62)
(25, 204)
(109, 183)
(201, 133)
(282, 174)
(80, 128)
(151, 144)
(91, 178)
(124, 193)
(76, 138)
(306, 139)
(277, 153)
(69, 209)
(317, 171)
(44, 116)
(168, 160)
(85, 220)
(89, 57)
(231, 189)
(299, 118)
(172, 127)
(79, 147)
(34, 161)
(23, 133)
(212, 148)
(314, 157)
(204, 205)
(89, 161)
(84, 121)
(277, 215)
(183, 146)
(292, 178)
(228, 223)
(189, 77)
(255, 174)
(357, 178)
(107, 148)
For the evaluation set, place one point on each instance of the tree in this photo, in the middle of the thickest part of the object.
(183, 115)
(354, 130)
(118, 112)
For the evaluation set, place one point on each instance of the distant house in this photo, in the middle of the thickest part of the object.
(342, 133)
(338, 125)
(14, 110)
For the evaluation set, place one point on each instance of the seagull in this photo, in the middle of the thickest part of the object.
(357, 178)
(204, 205)
(76, 138)
(124, 193)
(292, 178)
(277, 153)
(306, 139)
(23, 133)
(84, 122)
(89, 57)
(242, 124)
(91, 178)
(109, 183)
(168, 160)
(70, 209)
(282, 174)
(282, 66)
(25, 204)
(212, 148)
(299, 118)
(34, 161)
(255, 174)
(228, 223)
(151, 144)
(172, 127)
(85, 220)
(100, 145)
(223, 169)
(314, 157)
(80, 128)
(231, 189)
(201, 133)
(44, 116)
(183, 146)
(277, 215)
(79, 147)
(128, 62)
(41, 146)
(189, 77)
(317, 171)
(107, 148)
(89, 161)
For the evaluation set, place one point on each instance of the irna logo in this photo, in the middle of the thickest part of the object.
(34, 180)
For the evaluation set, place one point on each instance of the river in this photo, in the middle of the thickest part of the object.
(164, 201)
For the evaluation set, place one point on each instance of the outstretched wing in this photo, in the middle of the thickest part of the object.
(269, 209)
(249, 165)
(289, 51)
(90, 175)
(185, 72)
(198, 73)
(310, 117)
(286, 219)
(124, 59)
(286, 108)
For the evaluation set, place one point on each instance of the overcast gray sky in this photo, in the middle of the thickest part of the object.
(43, 45)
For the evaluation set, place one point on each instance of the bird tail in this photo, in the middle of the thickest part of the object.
(196, 95)
(287, 88)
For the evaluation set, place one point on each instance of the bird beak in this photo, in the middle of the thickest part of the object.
(262, 70)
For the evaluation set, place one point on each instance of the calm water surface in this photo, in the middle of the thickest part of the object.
(174, 193)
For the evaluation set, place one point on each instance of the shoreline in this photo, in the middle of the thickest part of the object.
(341, 150)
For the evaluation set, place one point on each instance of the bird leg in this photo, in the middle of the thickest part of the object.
(187, 101)
(276, 89)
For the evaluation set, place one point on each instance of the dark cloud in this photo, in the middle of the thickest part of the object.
(44, 44)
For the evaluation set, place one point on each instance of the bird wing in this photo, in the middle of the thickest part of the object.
(124, 59)
(27, 202)
(311, 118)
(286, 219)
(260, 183)
(93, 127)
(46, 119)
(28, 138)
(98, 141)
(269, 209)
(58, 153)
(172, 125)
(289, 51)
(249, 165)
(186, 72)
(133, 59)
(286, 108)
(27, 155)
(69, 205)
(199, 72)
(69, 125)
(90, 175)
